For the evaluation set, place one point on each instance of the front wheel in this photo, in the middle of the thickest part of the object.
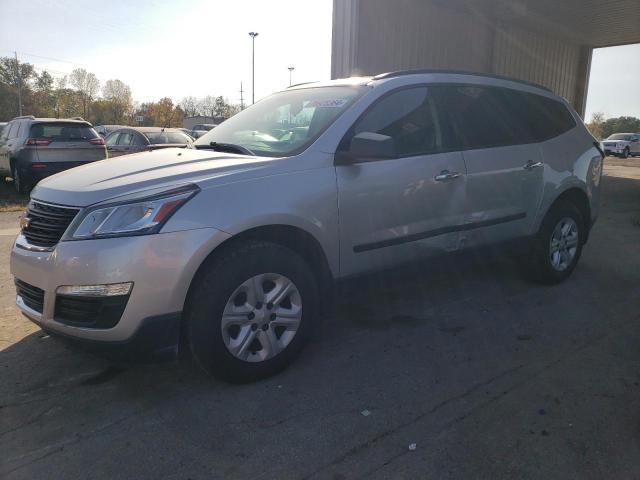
(557, 246)
(251, 310)
(625, 153)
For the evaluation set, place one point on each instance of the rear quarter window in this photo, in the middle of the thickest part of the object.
(547, 118)
(62, 132)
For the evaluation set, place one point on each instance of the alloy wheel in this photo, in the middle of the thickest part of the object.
(261, 317)
(563, 245)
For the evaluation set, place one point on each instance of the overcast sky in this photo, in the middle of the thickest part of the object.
(198, 47)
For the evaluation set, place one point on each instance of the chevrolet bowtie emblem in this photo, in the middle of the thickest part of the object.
(24, 222)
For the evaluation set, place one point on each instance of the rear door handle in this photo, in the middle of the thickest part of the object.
(530, 165)
(446, 175)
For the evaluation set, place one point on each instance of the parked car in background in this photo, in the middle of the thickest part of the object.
(198, 130)
(187, 132)
(105, 130)
(623, 145)
(34, 148)
(138, 139)
(234, 246)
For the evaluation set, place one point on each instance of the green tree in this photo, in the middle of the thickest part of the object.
(118, 94)
(620, 125)
(87, 85)
(44, 96)
(14, 73)
(189, 106)
(595, 125)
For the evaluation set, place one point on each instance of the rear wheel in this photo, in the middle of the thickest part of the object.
(625, 153)
(557, 246)
(251, 311)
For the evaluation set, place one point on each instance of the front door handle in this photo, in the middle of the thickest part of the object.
(530, 165)
(446, 175)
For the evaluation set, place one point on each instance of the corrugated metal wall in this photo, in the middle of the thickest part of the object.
(375, 36)
(538, 58)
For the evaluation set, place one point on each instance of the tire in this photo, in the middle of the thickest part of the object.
(225, 283)
(543, 266)
(625, 153)
(18, 180)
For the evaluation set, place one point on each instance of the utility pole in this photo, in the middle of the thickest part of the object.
(253, 36)
(241, 97)
(291, 69)
(19, 85)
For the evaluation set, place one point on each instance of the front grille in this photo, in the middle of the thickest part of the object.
(47, 223)
(33, 297)
(90, 312)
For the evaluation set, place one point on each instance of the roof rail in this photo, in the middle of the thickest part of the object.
(77, 118)
(30, 117)
(401, 73)
(298, 84)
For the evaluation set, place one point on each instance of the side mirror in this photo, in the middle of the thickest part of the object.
(368, 146)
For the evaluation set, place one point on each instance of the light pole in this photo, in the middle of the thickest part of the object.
(253, 36)
(291, 69)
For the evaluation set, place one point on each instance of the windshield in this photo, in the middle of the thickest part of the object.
(166, 137)
(619, 136)
(285, 123)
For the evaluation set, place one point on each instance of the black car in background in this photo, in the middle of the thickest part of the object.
(138, 139)
(34, 148)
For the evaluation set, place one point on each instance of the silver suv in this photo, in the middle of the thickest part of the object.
(623, 145)
(235, 245)
(34, 148)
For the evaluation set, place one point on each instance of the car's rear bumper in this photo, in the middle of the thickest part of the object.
(33, 172)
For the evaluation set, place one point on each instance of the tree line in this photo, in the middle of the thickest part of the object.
(601, 127)
(81, 94)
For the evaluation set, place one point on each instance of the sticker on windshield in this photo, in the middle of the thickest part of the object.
(331, 103)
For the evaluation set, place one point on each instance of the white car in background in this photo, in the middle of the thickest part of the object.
(623, 145)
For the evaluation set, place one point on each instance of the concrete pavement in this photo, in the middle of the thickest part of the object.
(490, 376)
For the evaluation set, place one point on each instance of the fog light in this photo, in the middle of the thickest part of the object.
(107, 290)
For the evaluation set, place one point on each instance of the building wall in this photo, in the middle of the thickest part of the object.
(376, 36)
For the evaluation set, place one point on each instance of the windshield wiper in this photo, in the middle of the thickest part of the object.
(226, 147)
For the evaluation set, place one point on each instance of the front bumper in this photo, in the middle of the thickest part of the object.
(613, 151)
(160, 266)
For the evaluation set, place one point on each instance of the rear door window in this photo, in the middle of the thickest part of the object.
(125, 139)
(478, 117)
(547, 118)
(62, 132)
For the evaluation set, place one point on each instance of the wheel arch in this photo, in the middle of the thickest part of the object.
(579, 198)
(292, 237)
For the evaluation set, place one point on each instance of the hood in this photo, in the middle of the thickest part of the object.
(113, 177)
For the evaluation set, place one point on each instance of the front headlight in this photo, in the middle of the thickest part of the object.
(138, 214)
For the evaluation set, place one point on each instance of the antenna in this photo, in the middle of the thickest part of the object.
(241, 97)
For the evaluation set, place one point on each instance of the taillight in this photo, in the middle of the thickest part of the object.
(40, 142)
(38, 166)
(97, 141)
